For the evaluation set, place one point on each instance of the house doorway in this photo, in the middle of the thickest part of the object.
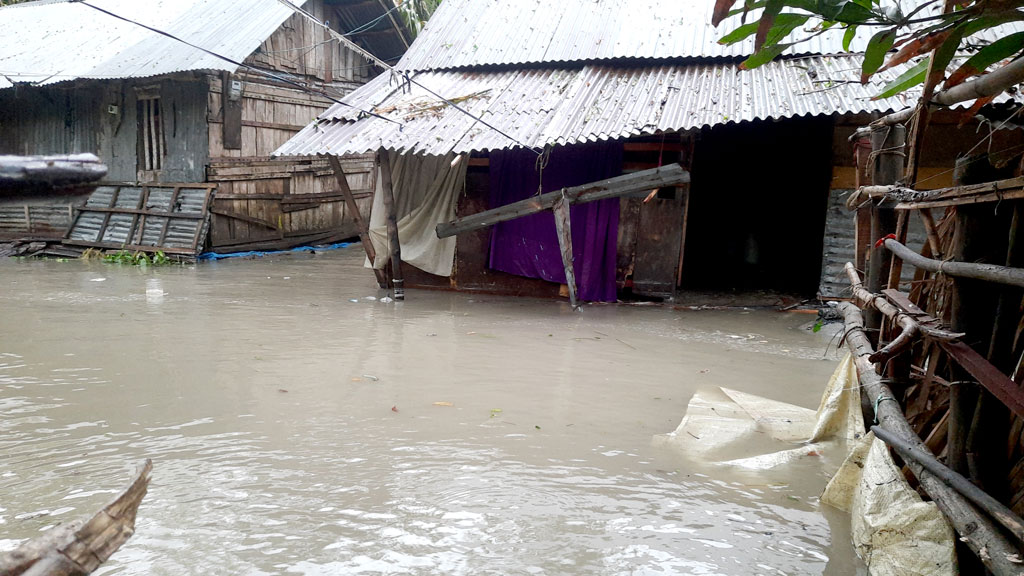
(757, 204)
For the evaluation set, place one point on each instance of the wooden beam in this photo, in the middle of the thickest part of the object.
(564, 230)
(389, 204)
(999, 384)
(245, 218)
(357, 218)
(668, 175)
(909, 199)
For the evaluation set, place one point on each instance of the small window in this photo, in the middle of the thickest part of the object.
(151, 133)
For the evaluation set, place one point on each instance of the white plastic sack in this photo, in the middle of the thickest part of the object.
(894, 531)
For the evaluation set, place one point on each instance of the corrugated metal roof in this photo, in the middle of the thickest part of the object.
(593, 102)
(471, 33)
(49, 42)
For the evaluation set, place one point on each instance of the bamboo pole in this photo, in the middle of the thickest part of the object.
(887, 145)
(987, 272)
(910, 327)
(990, 505)
(978, 532)
(991, 84)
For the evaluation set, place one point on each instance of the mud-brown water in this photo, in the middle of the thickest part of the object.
(295, 431)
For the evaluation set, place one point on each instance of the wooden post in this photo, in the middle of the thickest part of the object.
(357, 218)
(970, 310)
(887, 147)
(389, 205)
(990, 424)
(564, 229)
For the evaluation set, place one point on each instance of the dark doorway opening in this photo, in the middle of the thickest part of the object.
(758, 196)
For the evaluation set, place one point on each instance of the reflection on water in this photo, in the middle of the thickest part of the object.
(299, 426)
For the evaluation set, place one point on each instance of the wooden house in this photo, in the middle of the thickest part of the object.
(508, 100)
(206, 103)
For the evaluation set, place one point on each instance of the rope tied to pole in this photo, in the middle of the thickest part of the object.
(540, 164)
(879, 401)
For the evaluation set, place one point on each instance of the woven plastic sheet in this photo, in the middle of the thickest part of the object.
(426, 189)
(894, 531)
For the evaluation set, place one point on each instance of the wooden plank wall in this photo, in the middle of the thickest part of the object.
(265, 190)
(299, 47)
(259, 198)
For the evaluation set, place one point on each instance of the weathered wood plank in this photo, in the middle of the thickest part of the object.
(80, 547)
(999, 384)
(564, 229)
(669, 175)
(397, 280)
(357, 218)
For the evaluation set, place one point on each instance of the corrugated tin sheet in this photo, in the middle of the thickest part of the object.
(569, 105)
(838, 247)
(49, 42)
(171, 218)
(470, 33)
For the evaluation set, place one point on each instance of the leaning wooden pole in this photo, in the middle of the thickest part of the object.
(389, 204)
(977, 531)
(362, 225)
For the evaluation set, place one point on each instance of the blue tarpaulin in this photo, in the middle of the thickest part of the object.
(217, 256)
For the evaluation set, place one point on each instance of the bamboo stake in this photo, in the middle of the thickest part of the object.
(980, 534)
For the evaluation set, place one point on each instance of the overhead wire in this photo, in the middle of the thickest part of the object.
(404, 75)
(374, 22)
(234, 62)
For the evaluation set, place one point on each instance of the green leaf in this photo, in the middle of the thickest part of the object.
(944, 54)
(987, 56)
(874, 55)
(846, 11)
(784, 25)
(763, 56)
(851, 31)
(908, 79)
(853, 13)
(990, 20)
(767, 22)
(747, 6)
(739, 34)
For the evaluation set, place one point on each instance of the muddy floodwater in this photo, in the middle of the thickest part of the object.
(298, 426)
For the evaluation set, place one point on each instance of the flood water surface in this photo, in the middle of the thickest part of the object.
(298, 426)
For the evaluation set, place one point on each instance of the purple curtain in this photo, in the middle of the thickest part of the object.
(528, 246)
